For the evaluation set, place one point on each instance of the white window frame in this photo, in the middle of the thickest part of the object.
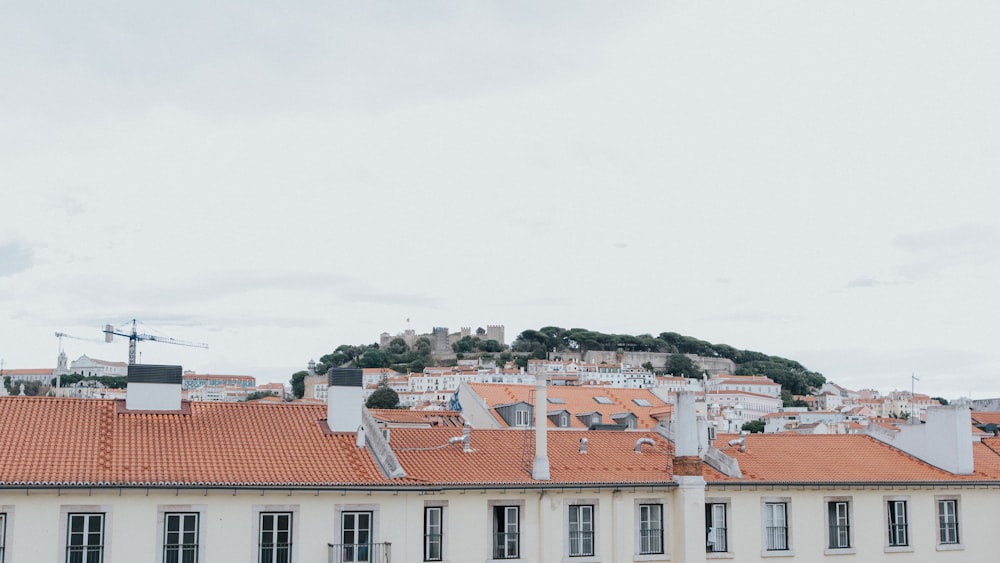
(594, 508)
(161, 515)
(664, 534)
(492, 505)
(849, 517)
(895, 507)
(64, 513)
(726, 504)
(373, 531)
(957, 503)
(442, 507)
(521, 417)
(765, 513)
(6, 523)
(260, 509)
(580, 521)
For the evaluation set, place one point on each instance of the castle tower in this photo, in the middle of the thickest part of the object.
(439, 341)
(495, 332)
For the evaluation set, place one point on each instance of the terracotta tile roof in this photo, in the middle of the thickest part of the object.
(84, 441)
(16, 372)
(986, 417)
(415, 417)
(839, 458)
(577, 400)
(496, 457)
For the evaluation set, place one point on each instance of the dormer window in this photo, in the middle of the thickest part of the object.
(521, 418)
(595, 419)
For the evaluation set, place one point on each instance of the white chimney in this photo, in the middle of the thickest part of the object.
(540, 469)
(685, 425)
(345, 398)
(154, 388)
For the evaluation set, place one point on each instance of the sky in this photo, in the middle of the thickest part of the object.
(810, 180)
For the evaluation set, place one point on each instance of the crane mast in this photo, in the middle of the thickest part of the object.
(135, 336)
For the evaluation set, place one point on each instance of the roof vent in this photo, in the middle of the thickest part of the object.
(583, 445)
(640, 442)
(465, 438)
(741, 441)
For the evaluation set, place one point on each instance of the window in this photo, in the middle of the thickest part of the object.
(432, 533)
(898, 536)
(715, 527)
(563, 420)
(642, 402)
(356, 536)
(274, 543)
(180, 537)
(600, 399)
(650, 528)
(947, 521)
(85, 538)
(506, 537)
(581, 530)
(521, 418)
(838, 514)
(776, 526)
(3, 534)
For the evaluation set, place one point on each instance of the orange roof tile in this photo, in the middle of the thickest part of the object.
(428, 418)
(84, 441)
(986, 417)
(577, 400)
(496, 457)
(806, 458)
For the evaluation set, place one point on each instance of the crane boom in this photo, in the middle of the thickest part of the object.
(134, 336)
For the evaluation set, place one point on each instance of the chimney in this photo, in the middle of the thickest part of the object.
(540, 469)
(686, 457)
(944, 441)
(345, 398)
(153, 388)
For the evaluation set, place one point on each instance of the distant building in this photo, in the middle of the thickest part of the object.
(92, 367)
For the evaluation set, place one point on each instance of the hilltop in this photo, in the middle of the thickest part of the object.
(668, 353)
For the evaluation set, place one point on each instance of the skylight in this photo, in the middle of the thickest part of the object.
(642, 402)
(603, 400)
(556, 401)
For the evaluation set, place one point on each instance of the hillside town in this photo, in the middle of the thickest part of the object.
(586, 458)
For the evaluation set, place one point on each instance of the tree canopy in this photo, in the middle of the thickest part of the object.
(384, 397)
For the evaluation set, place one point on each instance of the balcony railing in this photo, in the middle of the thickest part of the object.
(360, 552)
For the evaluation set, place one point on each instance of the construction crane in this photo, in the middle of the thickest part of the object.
(110, 332)
(61, 335)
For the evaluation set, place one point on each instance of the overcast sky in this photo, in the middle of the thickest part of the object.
(811, 180)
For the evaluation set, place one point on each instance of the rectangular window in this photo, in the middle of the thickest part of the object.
(898, 535)
(581, 530)
(432, 533)
(521, 418)
(506, 537)
(715, 527)
(356, 536)
(838, 519)
(85, 538)
(3, 534)
(180, 537)
(948, 521)
(776, 526)
(275, 542)
(650, 528)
